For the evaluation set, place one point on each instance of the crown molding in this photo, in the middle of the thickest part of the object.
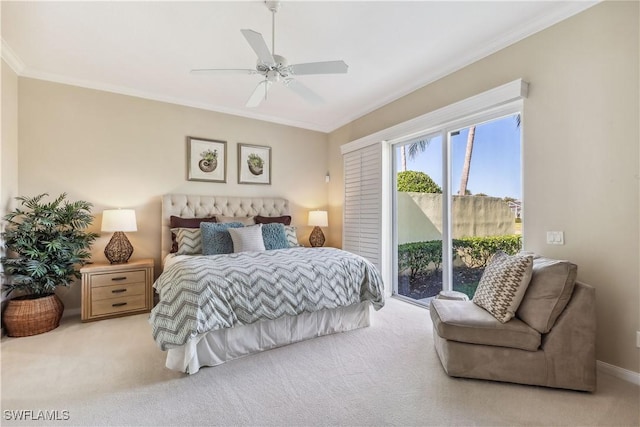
(522, 32)
(122, 90)
(11, 58)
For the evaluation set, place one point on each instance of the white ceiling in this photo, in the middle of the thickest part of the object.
(146, 49)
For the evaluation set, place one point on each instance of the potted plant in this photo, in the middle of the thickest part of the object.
(209, 161)
(45, 246)
(255, 164)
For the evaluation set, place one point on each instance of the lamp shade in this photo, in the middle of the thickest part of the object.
(318, 218)
(119, 220)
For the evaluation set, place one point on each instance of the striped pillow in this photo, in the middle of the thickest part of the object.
(292, 236)
(247, 239)
(503, 284)
(189, 241)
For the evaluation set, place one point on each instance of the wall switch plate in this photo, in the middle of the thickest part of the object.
(555, 237)
(638, 339)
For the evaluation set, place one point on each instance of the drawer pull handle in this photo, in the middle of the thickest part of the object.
(117, 279)
(118, 291)
(120, 304)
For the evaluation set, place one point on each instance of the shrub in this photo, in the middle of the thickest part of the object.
(476, 251)
(418, 182)
(418, 257)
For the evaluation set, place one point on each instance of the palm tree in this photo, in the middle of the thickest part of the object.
(464, 179)
(414, 149)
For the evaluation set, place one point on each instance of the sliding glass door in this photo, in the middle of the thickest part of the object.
(457, 201)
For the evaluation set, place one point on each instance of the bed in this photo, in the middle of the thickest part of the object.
(215, 308)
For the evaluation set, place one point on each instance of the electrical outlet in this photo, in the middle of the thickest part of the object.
(638, 339)
(555, 237)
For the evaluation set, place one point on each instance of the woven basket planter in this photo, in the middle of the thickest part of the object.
(24, 317)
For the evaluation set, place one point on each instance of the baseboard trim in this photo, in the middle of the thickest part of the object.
(616, 371)
(71, 312)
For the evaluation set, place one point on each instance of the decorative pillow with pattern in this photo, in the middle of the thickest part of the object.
(216, 239)
(189, 241)
(503, 284)
(179, 222)
(247, 239)
(292, 236)
(274, 236)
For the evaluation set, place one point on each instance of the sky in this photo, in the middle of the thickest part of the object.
(495, 162)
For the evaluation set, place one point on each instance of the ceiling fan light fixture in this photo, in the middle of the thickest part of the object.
(276, 68)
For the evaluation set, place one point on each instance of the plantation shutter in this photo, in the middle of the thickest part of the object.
(361, 230)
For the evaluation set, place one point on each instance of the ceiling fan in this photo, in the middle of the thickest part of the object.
(275, 68)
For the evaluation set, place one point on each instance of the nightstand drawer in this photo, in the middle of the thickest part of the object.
(122, 277)
(117, 305)
(117, 291)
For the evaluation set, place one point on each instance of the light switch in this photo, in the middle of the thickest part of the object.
(555, 237)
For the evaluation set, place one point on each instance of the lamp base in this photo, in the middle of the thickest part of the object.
(316, 239)
(119, 249)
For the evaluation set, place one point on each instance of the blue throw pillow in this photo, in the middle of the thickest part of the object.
(274, 236)
(216, 239)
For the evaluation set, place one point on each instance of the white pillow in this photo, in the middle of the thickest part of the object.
(247, 239)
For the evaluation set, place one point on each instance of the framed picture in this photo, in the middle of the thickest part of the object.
(254, 164)
(206, 160)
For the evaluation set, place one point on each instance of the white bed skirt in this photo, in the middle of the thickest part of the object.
(217, 347)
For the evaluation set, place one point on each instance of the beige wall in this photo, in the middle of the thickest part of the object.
(120, 151)
(8, 146)
(580, 152)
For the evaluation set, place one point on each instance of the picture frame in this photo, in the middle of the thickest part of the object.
(254, 164)
(206, 160)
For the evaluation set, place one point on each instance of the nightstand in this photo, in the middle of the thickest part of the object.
(112, 290)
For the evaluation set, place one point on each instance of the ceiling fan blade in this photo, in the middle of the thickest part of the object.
(259, 46)
(259, 93)
(306, 93)
(223, 71)
(327, 67)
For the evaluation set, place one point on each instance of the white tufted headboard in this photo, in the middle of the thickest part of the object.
(192, 206)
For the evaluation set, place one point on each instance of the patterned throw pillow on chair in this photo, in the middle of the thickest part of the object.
(503, 284)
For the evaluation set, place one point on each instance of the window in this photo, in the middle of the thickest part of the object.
(502, 101)
(456, 204)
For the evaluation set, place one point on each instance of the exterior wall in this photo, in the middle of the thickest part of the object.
(581, 152)
(420, 217)
(120, 151)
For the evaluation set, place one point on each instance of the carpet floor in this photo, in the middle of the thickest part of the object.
(111, 373)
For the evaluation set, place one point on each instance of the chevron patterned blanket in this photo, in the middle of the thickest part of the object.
(205, 293)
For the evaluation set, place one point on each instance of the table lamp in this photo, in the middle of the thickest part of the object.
(317, 219)
(119, 249)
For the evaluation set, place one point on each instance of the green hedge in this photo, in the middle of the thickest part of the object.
(426, 257)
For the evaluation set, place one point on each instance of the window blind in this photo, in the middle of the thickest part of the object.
(363, 203)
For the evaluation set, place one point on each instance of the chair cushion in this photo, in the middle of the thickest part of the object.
(466, 322)
(551, 286)
(503, 284)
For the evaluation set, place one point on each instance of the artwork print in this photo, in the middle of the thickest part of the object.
(206, 159)
(254, 164)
